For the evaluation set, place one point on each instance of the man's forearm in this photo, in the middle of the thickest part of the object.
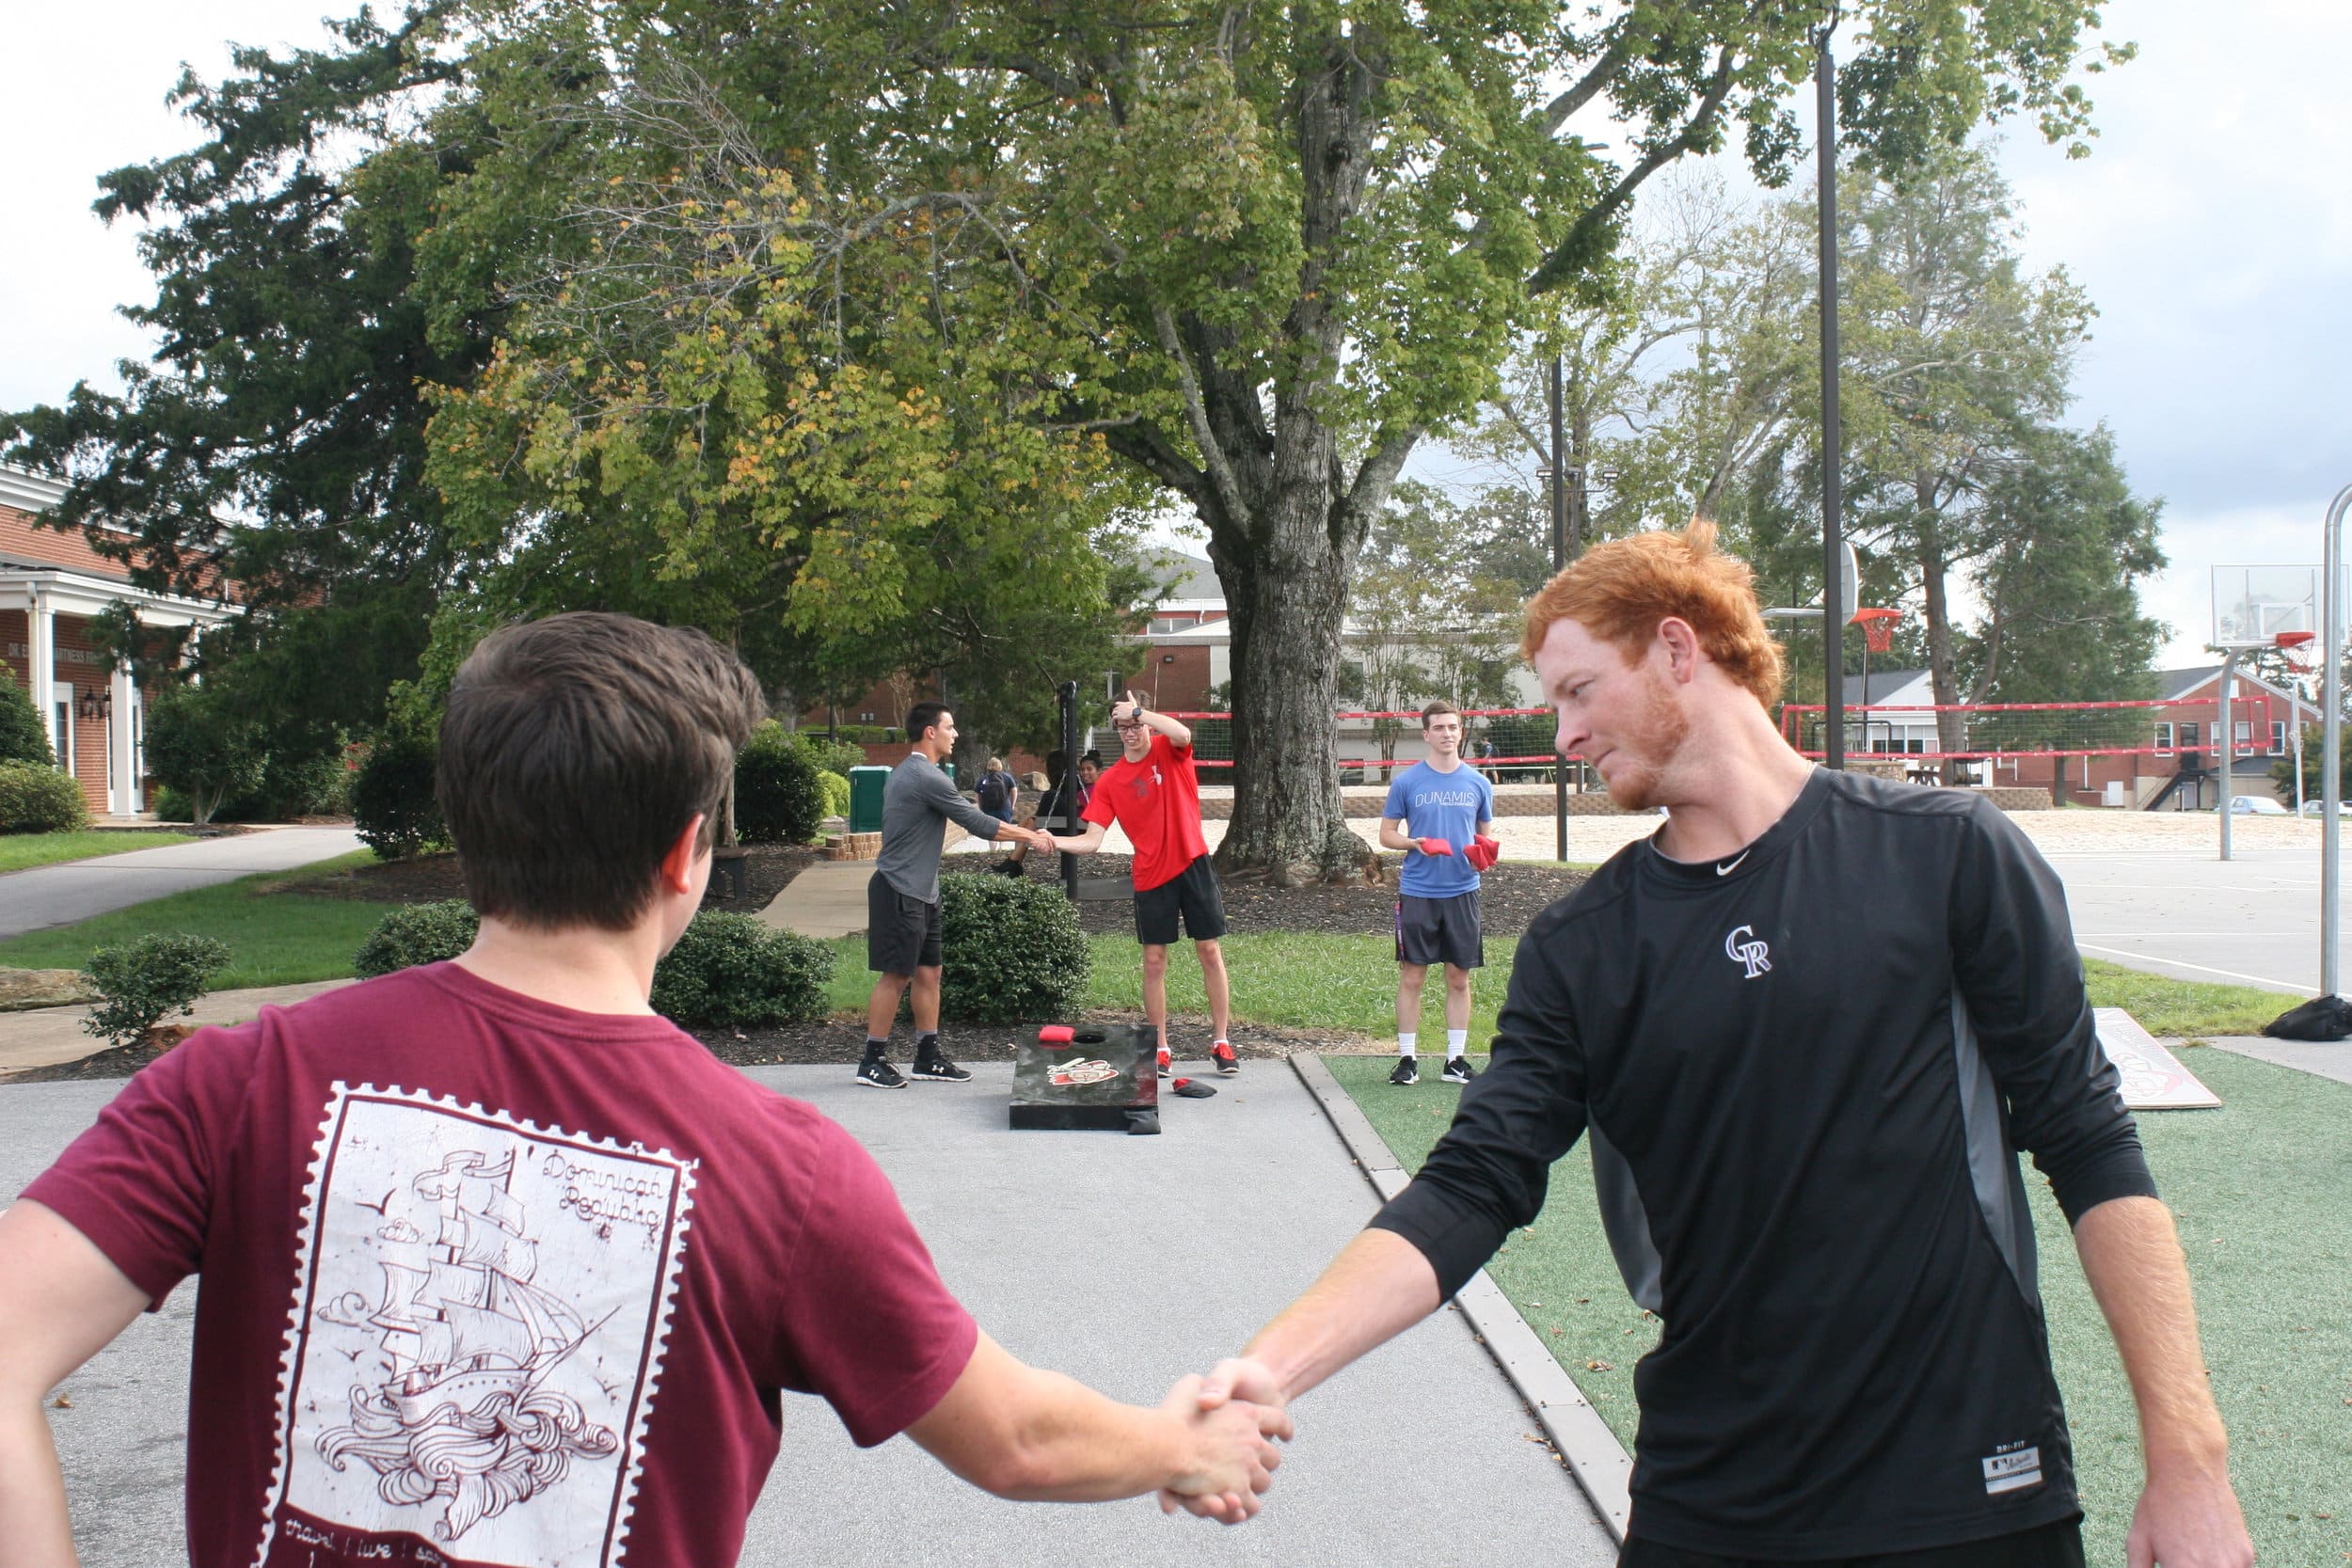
(1376, 1288)
(2132, 1257)
(32, 1489)
(1177, 733)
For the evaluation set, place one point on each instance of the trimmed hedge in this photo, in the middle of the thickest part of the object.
(778, 798)
(1014, 950)
(37, 798)
(22, 736)
(727, 971)
(836, 789)
(391, 799)
(144, 981)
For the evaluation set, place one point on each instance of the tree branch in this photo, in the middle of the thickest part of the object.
(1220, 472)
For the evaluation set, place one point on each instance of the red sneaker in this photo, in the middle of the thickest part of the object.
(1166, 1069)
(1221, 1054)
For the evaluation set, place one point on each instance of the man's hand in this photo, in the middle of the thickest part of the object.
(2188, 1518)
(1434, 846)
(1132, 707)
(1042, 839)
(1234, 1458)
(1482, 852)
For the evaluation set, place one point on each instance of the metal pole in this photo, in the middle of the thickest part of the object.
(2331, 738)
(1069, 828)
(2228, 737)
(1559, 564)
(1832, 499)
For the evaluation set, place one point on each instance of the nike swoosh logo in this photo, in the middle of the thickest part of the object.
(1727, 867)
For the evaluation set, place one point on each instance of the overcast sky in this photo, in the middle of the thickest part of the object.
(2212, 226)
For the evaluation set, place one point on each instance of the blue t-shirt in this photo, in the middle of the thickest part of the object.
(1439, 805)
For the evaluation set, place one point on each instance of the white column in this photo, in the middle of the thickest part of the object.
(122, 789)
(40, 626)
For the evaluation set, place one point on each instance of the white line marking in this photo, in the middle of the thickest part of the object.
(2203, 969)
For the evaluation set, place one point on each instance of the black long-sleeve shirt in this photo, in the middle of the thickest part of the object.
(1807, 1070)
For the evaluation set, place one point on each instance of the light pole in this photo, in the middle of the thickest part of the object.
(2331, 735)
(1833, 500)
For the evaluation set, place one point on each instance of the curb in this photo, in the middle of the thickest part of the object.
(1601, 1466)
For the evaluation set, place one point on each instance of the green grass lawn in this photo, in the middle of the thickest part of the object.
(274, 939)
(21, 852)
(2259, 1189)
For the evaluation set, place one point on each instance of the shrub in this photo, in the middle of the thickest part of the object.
(198, 746)
(831, 756)
(144, 981)
(392, 798)
(729, 970)
(419, 934)
(22, 736)
(836, 794)
(777, 797)
(35, 798)
(1014, 951)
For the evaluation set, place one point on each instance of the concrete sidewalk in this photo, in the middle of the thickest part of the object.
(41, 1037)
(1125, 1262)
(61, 894)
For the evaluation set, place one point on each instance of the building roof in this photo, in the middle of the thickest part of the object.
(1884, 685)
(1177, 576)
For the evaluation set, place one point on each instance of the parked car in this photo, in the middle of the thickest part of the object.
(2315, 808)
(2256, 805)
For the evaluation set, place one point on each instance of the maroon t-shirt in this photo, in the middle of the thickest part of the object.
(490, 1282)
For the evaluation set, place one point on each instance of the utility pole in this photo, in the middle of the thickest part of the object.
(1832, 499)
(1559, 564)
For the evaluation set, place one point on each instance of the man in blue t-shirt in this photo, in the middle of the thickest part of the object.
(1438, 814)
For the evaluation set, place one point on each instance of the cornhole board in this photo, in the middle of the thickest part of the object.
(1105, 1080)
(2154, 1079)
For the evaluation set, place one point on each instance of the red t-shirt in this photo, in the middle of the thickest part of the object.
(486, 1280)
(1157, 801)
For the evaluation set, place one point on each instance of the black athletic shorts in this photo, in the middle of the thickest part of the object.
(1191, 892)
(1439, 931)
(2057, 1546)
(902, 932)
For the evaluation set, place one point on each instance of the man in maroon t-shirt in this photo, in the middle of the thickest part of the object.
(501, 1267)
(1153, 793)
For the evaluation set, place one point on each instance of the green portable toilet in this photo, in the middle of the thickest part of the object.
(865, 799)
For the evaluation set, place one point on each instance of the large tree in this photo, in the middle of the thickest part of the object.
(1264, 251)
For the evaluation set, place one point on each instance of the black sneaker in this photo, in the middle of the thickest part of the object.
(937, 1069)
(879, 1074)
(1408, 1074)
(1458, 1070)
(1008, 868)
(1221, 1057)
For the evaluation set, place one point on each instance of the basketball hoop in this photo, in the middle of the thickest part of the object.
(1878, 628)
(2293, 639)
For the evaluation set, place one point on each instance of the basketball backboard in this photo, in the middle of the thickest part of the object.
(2253, 605)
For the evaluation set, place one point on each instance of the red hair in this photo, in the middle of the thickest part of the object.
(1620, 590)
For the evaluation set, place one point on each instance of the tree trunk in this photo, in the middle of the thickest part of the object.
(1951, 729)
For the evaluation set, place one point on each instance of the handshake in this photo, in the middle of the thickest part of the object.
(1233, 1418)
(1482, 851)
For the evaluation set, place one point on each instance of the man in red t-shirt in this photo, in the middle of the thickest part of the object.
(501, 1267)
(1153, 793)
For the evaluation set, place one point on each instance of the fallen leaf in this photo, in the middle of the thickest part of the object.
(62, 1402)
(1598, 1366)
(1583, 1301)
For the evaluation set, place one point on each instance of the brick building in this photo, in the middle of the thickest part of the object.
(51, 586)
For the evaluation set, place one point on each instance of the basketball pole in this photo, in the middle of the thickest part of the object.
(1833, 500)
(2228, 743)
(2331, 737)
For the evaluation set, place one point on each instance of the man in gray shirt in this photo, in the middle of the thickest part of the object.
(902, 899)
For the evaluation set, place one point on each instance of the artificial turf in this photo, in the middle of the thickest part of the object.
(2260, 1187)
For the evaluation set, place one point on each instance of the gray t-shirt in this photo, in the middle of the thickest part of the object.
(914, 801)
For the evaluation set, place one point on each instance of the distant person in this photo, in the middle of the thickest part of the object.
(1051, 811)
(1438, 814)
(998, 792)
(1486, 754)
(902, 901)
(1153, 793)
(501, 1267)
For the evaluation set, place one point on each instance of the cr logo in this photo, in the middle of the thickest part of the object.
(1749, 955)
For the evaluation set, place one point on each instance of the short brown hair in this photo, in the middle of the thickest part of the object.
(1620, 590)
(573, 750)
(1440, 706)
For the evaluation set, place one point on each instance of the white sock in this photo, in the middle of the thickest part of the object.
(1457, 1042)
(1406, 1040)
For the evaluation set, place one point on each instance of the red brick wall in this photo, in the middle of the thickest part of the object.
(19, 537)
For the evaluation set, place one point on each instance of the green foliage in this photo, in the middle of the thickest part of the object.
(837, 788)
(143, 981)
(22, 736)
(200, 746)
(35, 798)
(729, 970)
(392, 800)
(1014, 951)
(831, 756)
(416, 934)
(778, 798)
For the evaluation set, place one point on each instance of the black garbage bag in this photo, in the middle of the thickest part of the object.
(2323, 1018)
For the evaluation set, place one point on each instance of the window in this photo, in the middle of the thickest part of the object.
(2188, 738)
(2278, 747)
(2244, 732)
(866, 717)
(2164, 739)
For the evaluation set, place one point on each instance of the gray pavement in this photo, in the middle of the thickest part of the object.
(2250, 921)
(1125, 1261)
(59, 894)
(2321, 1058)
